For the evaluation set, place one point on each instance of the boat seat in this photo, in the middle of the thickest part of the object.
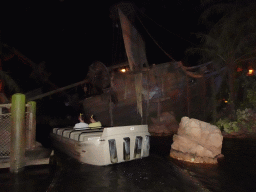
(66, 132)
(59, 131)
(78, 135)
(95, 133)
(74, 134)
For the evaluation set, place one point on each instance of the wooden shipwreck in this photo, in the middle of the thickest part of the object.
(136, 93)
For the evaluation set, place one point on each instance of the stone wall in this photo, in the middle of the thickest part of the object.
(165, 125)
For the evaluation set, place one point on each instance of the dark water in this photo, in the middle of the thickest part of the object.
(33, 178)
(150, 174)
(236, 172)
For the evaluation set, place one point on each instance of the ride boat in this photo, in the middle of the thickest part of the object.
(103, 146)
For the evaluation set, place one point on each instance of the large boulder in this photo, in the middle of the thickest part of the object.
(197, 141)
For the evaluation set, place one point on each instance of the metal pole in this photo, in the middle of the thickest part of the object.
(31, 129)
(57, 90)
(18, 133)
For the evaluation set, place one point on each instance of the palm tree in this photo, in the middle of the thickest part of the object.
(5, 79)
(231, 40)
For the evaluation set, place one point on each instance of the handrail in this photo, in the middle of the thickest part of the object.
(65, 130)
(5, 114)
(84, 129)
(96, 130)
(6, 105)
(72, 132)
(57, 130)
(9, 105)
(88, 128)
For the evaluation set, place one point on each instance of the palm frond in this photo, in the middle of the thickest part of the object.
(9, 82)
(232, 36)
(218, 10)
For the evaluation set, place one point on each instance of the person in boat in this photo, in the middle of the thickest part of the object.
(94, 124)
(81, 124)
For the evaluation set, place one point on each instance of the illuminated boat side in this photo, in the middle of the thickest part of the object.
(103, 146)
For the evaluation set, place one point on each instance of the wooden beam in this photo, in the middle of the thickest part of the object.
(56, 91)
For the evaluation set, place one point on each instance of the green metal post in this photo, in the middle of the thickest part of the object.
(31, 129)
(18, 133)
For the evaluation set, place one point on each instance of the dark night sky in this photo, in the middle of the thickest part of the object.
(69, 35)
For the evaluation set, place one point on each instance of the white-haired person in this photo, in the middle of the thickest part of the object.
(81, 125)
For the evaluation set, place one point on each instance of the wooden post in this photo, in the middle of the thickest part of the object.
(147, 107)
(203, 96)
(110, 100)
(188, 96)
(18, 133)
(111, 112)
(158, 110)
(31, 129)
(214, 105)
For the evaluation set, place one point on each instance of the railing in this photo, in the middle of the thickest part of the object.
(17, 130)
(5, 130)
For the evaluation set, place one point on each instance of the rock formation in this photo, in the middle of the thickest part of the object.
(165, 125)
(197, 141)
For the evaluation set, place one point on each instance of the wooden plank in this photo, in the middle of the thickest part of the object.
(43, 161)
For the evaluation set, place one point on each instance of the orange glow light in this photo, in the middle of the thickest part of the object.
(123, 70)
(226, 101)
(239, 69)
(250, 72)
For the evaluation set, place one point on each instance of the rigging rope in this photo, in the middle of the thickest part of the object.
(185, 69)
(156, 41)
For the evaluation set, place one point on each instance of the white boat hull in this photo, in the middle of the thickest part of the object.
(103, 146)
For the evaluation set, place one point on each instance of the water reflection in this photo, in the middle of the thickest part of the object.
(235, 172)
(33, 178)
(158, 172)
(154, 173)
(149, 174)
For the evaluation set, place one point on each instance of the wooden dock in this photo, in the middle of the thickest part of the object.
(37, 156)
